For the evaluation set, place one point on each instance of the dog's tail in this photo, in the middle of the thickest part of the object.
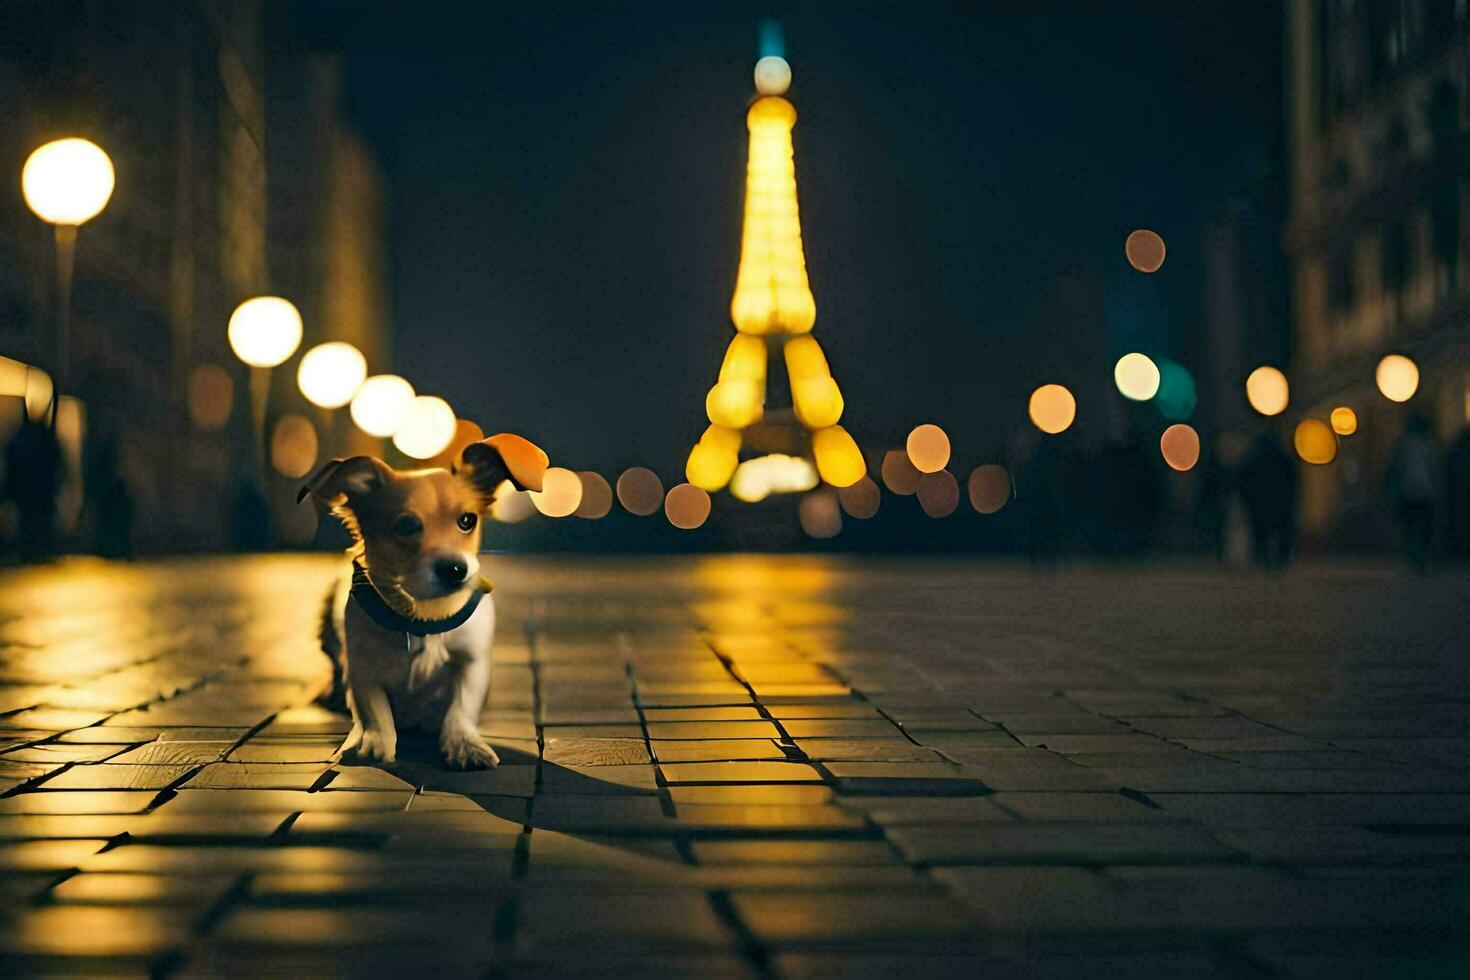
(334, 697)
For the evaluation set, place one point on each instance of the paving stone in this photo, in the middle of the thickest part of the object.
(717, 750)
(96, 931)
(105, 776)
(694, 773)
(711, 729)
(79, 802)
(729, 713)
(598, 779)
(186, 890)
(846, 918)
(753, 794)
(865, 750)
(1061, 843)
(901, 811)
(1106, 807)
(596, 751)
(906, 778)
(661, 920)
(840, 728)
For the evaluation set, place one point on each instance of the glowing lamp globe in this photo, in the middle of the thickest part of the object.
(1397, 377)
(430, 428)
(380, 407)
(67, 182)
(1267, 391)
(264, 331)
(330, 374)
(1136, 376)
(772, 75)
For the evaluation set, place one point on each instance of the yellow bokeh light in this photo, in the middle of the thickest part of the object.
(560, 493)
(687, 507)
(713, 460)
(1315, 442)
(381, 406)
(1180, 447)
(839, 461)
(293, 446)
(597, 496)
(1397, 377)
(928, 448)
(1052, 409)
(640, 491)
(939, 493)
(772, 294)
(330, 374)
(736, 403)
(1267, 391)
(1136, 376)
(756, 479)
(430, 427)
(68, 181)
(511, 505)
(860, 500)
(745, 359)
(264, 331)
(819, 514)
(1145, 250)
(989, 487)
(1344, 420)
(899, 475)
(211, 396)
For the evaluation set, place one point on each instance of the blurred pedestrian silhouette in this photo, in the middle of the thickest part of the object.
(1415, 472)
(1268, 488)
(33, 475)
(1457, 496)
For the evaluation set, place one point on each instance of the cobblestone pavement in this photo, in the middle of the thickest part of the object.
(747, 767)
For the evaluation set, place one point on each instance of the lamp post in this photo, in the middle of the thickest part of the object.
(66, 183)
(263, 332)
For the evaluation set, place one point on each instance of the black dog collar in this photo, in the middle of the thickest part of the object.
(391, 619)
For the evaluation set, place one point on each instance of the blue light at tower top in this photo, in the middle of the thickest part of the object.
(772, 39)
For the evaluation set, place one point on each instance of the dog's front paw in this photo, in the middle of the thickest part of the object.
(375, 747)
(468, 751)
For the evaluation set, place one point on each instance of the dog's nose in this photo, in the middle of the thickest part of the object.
(451, 571)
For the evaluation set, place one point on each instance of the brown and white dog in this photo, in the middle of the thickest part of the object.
(411, 632)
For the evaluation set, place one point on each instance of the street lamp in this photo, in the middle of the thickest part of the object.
(66, 183)
(263, 332)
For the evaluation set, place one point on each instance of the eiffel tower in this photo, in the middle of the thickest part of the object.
(789, 448)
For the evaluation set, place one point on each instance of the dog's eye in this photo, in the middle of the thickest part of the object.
(467, 522)
(407, 526)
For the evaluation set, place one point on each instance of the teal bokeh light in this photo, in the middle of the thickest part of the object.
(1176, 398)
(772, 39)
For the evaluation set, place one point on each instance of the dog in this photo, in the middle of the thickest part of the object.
(410, 632)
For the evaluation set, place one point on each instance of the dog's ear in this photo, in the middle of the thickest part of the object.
(343, 481)
(489, 463)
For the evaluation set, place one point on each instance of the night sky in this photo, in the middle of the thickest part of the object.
(567, 184)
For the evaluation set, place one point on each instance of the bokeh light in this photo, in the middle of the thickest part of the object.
(989, 487)
(860, 500)
(1315, 442)
(756, 479)
(1145, 250)
(430, 427)
(211, 396)
(1052, 409)
(381, 406)
(465, 433)
(735, 403)
(1397, 377)
(939, 493)
(899, 475)
(839, 461)
(819, 514)
(928, 448)
(713, 459)
(772, 75)
(1267, 391)
(293, 446)
(1136, 376)
(330, 374)
(640, 491)
(687, 506)
(1344, 420)
(597, 496)
(511, 505)
(264, 331)
(1180, 446)
(560, 493)
(1176, 397)
(67, 181)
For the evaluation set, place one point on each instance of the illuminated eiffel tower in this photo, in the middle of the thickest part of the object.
(789, 448)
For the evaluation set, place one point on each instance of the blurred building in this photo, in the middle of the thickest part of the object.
(190, 100)
(1377, 233)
